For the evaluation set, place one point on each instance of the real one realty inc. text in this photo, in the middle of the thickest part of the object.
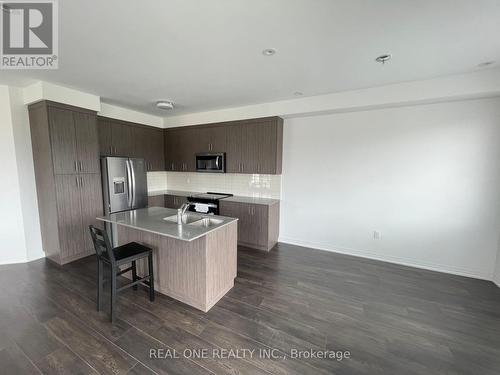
(268, 353)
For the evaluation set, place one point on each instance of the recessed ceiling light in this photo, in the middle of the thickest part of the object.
(298, 93)
(383, 58)
(486, 63)
(269, 52)
(164, 104)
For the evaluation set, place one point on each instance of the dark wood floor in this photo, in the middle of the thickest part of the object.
(392, 319)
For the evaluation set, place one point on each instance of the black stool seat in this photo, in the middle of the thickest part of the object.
(129, 252)
(116, 257)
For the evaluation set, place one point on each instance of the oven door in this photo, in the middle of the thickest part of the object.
(212, 163)
(204, 208)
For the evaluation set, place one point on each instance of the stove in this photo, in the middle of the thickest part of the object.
(206, 203)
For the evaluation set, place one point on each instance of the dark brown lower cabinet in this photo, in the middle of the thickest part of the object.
(79, 202)
(156, 201)
(258, 224)
(69, 216)
(174, 201)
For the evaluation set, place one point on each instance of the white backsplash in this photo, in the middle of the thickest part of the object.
(252, 185)
(157, 181)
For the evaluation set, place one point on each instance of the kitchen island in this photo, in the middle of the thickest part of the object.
(194, 262)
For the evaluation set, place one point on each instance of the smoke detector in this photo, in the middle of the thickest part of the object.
(165, 105)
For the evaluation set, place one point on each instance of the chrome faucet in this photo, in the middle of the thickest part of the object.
(181, 211)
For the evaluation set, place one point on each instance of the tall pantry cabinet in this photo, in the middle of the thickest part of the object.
(68, 180)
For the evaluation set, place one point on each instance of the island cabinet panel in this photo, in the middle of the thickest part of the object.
(198, 273)
(251, 146)
(258, 224)
(66, 159)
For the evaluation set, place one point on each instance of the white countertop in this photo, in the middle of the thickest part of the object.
(151, 220)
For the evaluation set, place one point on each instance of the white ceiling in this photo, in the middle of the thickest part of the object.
(207, 54)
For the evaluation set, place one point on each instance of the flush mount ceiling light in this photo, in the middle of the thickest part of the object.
(486, 63)
(268, 52)
(164, 104)
(298, 93)
(383, 58)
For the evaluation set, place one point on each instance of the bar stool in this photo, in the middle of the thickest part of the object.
(116, 257)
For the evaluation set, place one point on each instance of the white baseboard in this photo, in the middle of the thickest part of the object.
(477, 274)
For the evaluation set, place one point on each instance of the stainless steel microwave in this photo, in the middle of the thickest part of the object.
(211, 162)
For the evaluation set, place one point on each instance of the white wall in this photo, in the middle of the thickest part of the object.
(120, 113)
(479, 84)
(26, 174)
(496, 277)
(427, 177)
(12, 237)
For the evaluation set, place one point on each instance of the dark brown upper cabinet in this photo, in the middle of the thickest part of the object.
(210, 139)
(122, 139)
(180, 149)
(126, 139)
(74, 142)
(63, 140)
(115, 137)
(87, 142)
(255, 146)
(148, 144)
(251, 146)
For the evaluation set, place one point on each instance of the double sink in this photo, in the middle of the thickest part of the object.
(195, 220)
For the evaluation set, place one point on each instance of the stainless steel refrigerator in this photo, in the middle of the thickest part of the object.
(124, 185)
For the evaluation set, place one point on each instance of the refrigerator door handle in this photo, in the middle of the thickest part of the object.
(129, 183)
(132, 170)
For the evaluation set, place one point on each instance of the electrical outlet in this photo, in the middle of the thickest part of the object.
(377, 235)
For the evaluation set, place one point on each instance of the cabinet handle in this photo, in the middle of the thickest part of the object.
(173, 167)
(76, 166)
(81, 181)
(77, 183)
(80, 163)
